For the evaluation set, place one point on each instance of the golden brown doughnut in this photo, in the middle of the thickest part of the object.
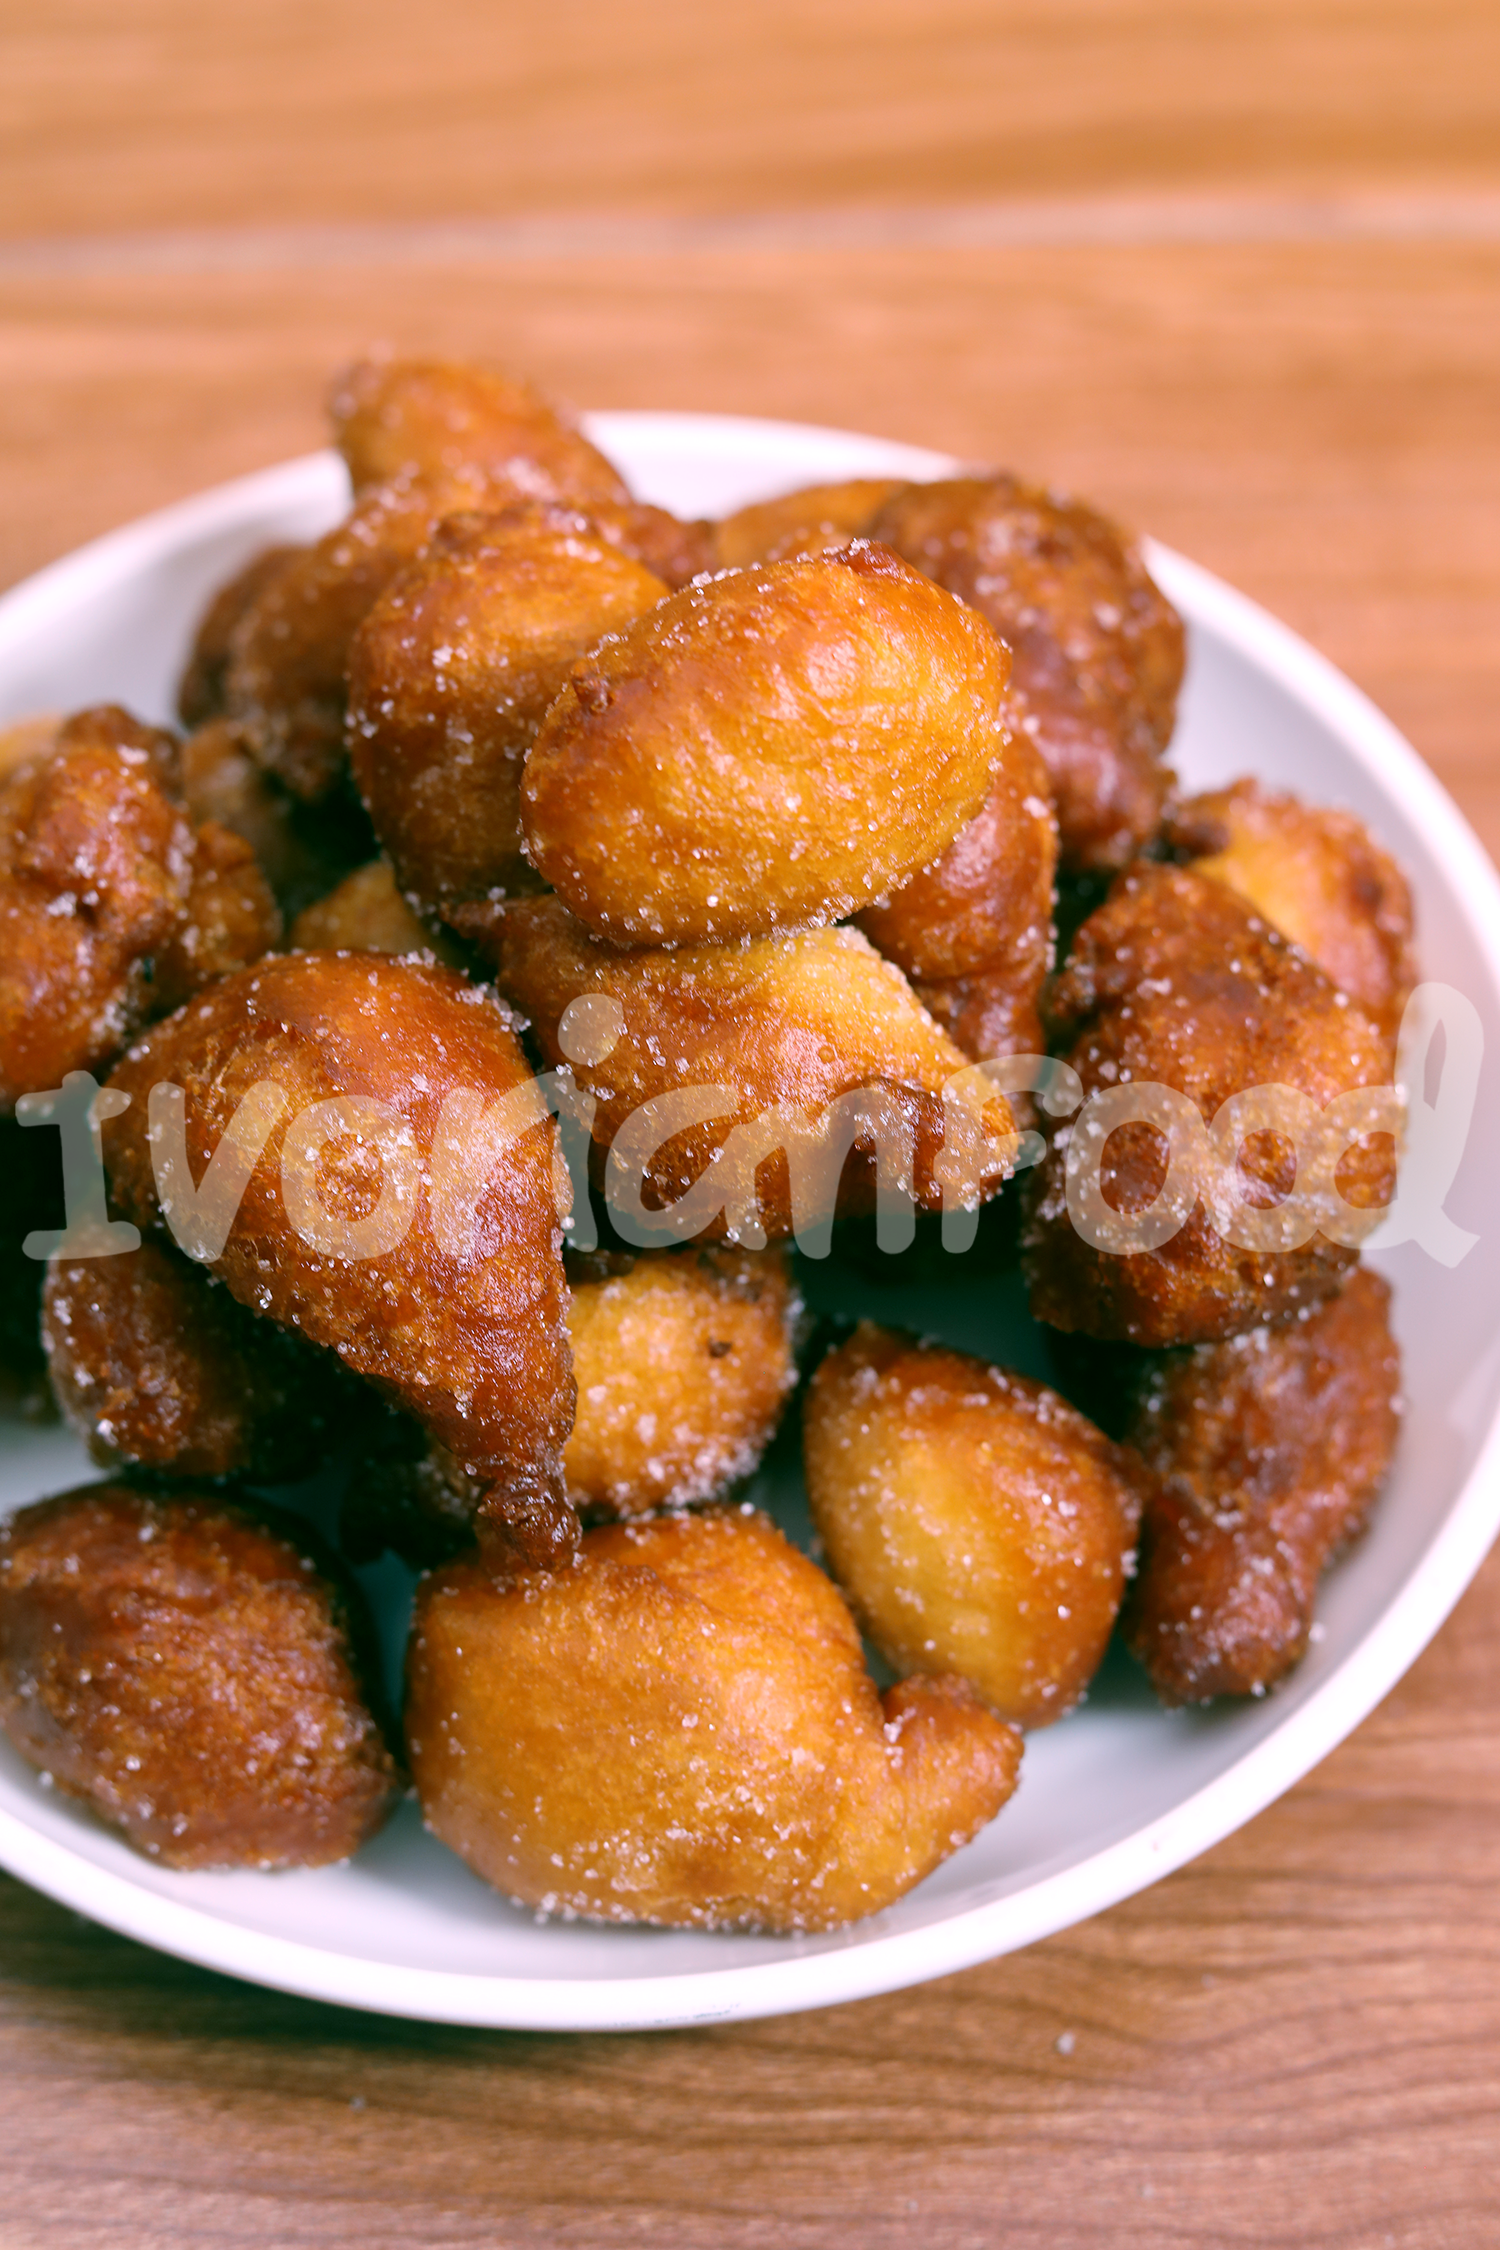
(680, 1729)
(780, 1024)
(157, 1367)
(200, 692)
(676, 551)
(366, 913)
(111, 906)
(24, 742)
(1175, 982)
(1097, 648)
(416, 417)
(1268, 1452)
(813, 520)
(684, 1363)
(195, 1673)
(403, 1236)
(451, 674)
(1318, 876)
(284, 684)
(973, 932)
(230, 918)
(773, 747)
(977, 1523)
(303, 850)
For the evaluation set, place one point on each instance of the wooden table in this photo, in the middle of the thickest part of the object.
(1231, 269)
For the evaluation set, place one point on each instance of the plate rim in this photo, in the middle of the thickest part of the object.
(871, 1962)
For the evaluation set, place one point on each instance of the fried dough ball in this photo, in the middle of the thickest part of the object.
(773, 747)
(462, 1324)
(973, 932)
(406, 418)
(1318, 876)
(813, 520)
(976, 1522)
(450, 676)
(156, 1366)
(200, 692)
(194, 1673)
(1268, 1451)
(110, 906)
(367, 914)
(681, 1730)
(684, 1362)
(1098, 649)
(95, 862)
(787, 1023)
(414, 417)
(284, 681)
(1175, 982)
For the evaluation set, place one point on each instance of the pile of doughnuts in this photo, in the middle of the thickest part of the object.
(552, 923)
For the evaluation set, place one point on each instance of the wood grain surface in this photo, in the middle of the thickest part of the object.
(1239, 278)
(143, 113)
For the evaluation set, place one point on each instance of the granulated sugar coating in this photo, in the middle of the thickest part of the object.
(366, 913)
(777, 746)
(1266, 1454)
(285, 683)
(974, 931)
(813, 520)
(684, 1363)
(680, 1729)
(113, 906)
(977, 1522)
(1315, 874)
(450, 676)
(1176, 982)
(502, 675)
(1098, 648)
(774, 1025)
(410, 417)
(157, 1366)
(191, 1671)
(465, 1332)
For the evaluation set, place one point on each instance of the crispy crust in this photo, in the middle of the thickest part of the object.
(773, 747)
(813, 520)
(1315, 874)
(681, 1730)
(684, 1364)
(1098, 650)
(416, 417)
(1268, 1452)
(112, 907)
(1175, 981)
(470, 1337)
(284, 681)
(974, 931)
(192, 1674)
(978, 1524)
(156, 1367)
(366, 913)
(781, 1022)
(452, 673)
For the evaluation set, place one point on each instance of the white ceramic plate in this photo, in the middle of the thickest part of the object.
(1113, 1797)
